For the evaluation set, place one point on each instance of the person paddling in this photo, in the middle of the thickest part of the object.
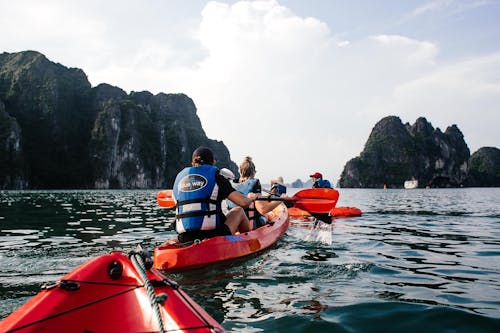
(278, 186)
(319, 182)
(198, 192)
(249, 184)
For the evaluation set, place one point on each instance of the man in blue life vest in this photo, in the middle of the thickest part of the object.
(319, 182)
(198, 192)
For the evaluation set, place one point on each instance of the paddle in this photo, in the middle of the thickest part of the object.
(165, 199)
(317, 201)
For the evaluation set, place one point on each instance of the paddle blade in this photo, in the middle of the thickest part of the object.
(316, 200)
(165, 199)
(315, 205)
(318, 193)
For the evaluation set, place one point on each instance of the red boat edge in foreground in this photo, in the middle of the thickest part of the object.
(111, 293)
(173, 255)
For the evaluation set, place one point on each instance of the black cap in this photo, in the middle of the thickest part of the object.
(202, 155)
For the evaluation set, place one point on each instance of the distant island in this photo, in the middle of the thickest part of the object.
(58, 132)
(397, 152)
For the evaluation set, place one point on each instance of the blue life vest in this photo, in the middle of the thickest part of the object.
(252, 213)
(322, 183)
(244, 188)
(195, 193)
(280, 189)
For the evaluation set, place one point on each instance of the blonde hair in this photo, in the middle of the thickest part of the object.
(278, 180)
(247, 168)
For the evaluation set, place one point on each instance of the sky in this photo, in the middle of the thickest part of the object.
(297, 85)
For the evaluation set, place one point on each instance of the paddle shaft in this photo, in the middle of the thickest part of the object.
(275, 199)
(317, 206)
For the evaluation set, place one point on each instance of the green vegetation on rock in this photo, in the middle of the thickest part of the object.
(395, 152)
(70, 135)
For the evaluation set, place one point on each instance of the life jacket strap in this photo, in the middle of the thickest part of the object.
(256, 214)
(192, 214)
(206, 200)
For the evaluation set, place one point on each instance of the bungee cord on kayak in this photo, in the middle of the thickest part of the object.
(154, 299)
(137, 258)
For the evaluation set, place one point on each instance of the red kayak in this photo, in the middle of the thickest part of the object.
(299, 214)
(111, 293)
(173, 255)
(302, 215)
(345, 212)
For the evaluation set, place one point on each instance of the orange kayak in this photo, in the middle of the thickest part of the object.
(173, 255)
(345, 212)
(108, 294)
(302, 215)
(299, 214)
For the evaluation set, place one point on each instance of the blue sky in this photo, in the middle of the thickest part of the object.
(297, 85)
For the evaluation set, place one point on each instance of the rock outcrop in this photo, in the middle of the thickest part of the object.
(484, 168)
(56, 131)
(11, 158)
(395, 152)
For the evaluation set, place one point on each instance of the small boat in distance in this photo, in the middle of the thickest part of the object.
(411, 184)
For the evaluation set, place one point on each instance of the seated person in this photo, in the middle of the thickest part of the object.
(319, 182)
(277, 186)
(198, 192)
(249, 184)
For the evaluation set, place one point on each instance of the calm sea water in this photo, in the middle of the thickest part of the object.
(416, 261)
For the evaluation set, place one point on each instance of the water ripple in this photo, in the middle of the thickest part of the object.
(420, 260)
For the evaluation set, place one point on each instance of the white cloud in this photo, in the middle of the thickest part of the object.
(47, 27)
(266, 76)
(448, 7)
(432, 6)
(465, 93)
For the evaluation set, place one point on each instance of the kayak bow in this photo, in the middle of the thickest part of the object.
(111, 293)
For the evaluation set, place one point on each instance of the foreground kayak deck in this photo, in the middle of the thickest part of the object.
(173, 255)
(108, 294)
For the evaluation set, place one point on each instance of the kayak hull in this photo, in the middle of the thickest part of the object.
(173, 255)
(345, 212)
(302, 215)
(107, 294)
(299, 214)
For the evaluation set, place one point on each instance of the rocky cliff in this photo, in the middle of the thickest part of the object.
(56, 131)
(396, 152)
(484, 168)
